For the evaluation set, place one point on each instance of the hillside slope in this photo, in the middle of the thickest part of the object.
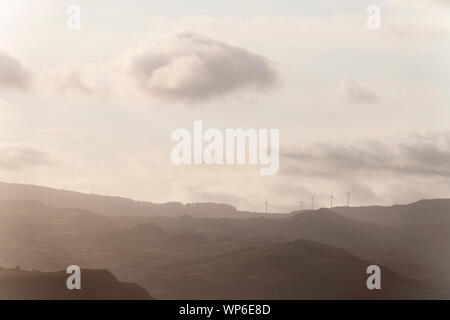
(95, 285)
(114, 206)
(299, 269)
(435, 211)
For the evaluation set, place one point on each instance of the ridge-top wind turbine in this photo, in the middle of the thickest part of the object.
(348, 198)
(267, 204)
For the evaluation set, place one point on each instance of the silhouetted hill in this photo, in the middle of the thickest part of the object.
(32, 224)
(424, 228)
(323, 225)
(410, 239)
(327, 226)
(435, 211)
(299, 269)
(114, 206)
(95, 285)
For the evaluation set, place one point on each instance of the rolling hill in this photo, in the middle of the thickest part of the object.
(115, 206)
(299, 269)
(16, 284)
(423, 212)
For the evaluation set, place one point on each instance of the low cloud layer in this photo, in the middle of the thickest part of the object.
(401, 170)
(12, 74)
(417, 155)
(355, 92)
(186, 66)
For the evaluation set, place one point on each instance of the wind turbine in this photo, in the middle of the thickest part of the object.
(331, 201)
(348, 198)
(267, 204)
(312, 203)
(301, 205)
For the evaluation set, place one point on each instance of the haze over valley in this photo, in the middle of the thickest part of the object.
(214, 251)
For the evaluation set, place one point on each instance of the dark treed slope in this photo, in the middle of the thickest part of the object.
(95, 285)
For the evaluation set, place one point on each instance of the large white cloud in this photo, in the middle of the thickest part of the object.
(12, 74)
(190, 67)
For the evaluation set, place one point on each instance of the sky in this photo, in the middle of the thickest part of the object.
(358, 110)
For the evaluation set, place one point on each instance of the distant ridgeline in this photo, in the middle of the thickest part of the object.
(114, 206)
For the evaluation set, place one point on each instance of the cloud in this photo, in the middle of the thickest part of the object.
(17, 158)
(186, 66)
(354, 92)
(398, 170)
(72, 82)
(12, 74)
(90, 81)
(423, 155)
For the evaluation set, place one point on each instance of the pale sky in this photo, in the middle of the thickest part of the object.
(358, 110)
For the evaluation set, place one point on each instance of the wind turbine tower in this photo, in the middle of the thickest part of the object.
(348, 198)
(331, 201)
(312, 203)
(267, 204)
